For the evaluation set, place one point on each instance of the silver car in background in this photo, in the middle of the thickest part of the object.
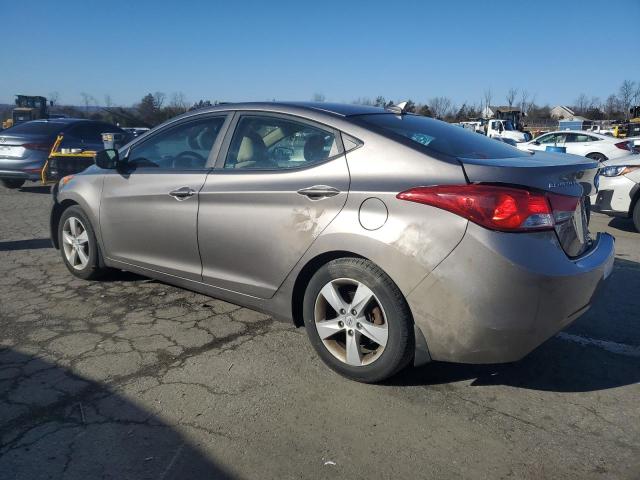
(24, 148)
(393, 238)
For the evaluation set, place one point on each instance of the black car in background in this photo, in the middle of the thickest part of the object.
(24, 148)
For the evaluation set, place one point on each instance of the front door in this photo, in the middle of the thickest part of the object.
(282, 182)
(149, 210)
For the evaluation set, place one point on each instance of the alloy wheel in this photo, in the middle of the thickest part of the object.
(351, 322)
(75, 242)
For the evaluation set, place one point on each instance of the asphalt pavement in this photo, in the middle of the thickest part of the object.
(129, 378)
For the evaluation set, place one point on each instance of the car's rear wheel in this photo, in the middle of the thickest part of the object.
(636, 216)
(78, 244)
(11, 183)
(596, 156)
(358, 320)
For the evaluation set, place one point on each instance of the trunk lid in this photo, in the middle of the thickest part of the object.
(559, 174)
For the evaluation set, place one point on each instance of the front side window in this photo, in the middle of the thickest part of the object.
(268, 143)
(183, 147)
(552, 139)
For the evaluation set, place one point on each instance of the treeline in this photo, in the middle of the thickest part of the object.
(155, 108)
(615, 106)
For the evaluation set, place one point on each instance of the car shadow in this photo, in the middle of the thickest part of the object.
(46, 189)
(601, 350)
(624, 224)
(54, 424)
(31, 244)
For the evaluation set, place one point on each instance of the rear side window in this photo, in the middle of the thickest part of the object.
(441, 137)
(89, 132)
(35, 128)
(273, 143)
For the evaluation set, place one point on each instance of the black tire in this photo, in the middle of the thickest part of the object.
(12, 183)
(400, 346)
(93, 269)
(596, 156)
(636, 216)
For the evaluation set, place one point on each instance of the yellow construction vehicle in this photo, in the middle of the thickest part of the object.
(630, 128)
(69, 161)
(28, 107)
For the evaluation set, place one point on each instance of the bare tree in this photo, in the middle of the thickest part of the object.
(158, 99)
(363, 101)
(611, 106)
(581, 104)
(318, 97)
(524, 96)
(179, 102)
(440, 107)
(487, 99)
(87, 100)
(54, 97)
(511, 96)
(626, 95)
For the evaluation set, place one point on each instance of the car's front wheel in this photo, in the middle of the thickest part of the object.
(358, 320)
(12, 183)
(78, 244)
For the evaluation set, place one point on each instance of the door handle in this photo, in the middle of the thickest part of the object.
(319, 191)
(182, 193)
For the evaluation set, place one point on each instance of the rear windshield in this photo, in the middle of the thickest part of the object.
(35, 128)
(442, 137)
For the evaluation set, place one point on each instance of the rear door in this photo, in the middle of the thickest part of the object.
(279, 183)
(148, 213)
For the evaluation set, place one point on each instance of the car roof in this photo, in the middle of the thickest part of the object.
(62, 121)
(336, 109)
(599, 136)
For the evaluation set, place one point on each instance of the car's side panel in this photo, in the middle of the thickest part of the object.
(143, 225)
(413, 240)
(253, 227)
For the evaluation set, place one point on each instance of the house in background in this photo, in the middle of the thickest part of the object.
(560, 112)
(503, 113)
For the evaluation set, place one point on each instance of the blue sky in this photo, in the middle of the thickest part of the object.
(260, 50)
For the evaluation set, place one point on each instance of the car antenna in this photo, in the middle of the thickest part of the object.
(400, 108)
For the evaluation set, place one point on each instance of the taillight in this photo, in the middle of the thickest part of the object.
(498, 208)
(43, 147)
(625, 146)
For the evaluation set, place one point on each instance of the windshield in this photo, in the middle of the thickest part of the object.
(441, 137)
(508, 125)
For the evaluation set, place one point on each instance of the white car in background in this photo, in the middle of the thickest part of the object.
(588, 144)
(619, 190)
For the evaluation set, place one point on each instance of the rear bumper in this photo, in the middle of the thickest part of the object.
(24, 169)
(19, 175)
(498, 296)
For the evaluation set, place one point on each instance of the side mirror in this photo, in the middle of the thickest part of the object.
(107, 159)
